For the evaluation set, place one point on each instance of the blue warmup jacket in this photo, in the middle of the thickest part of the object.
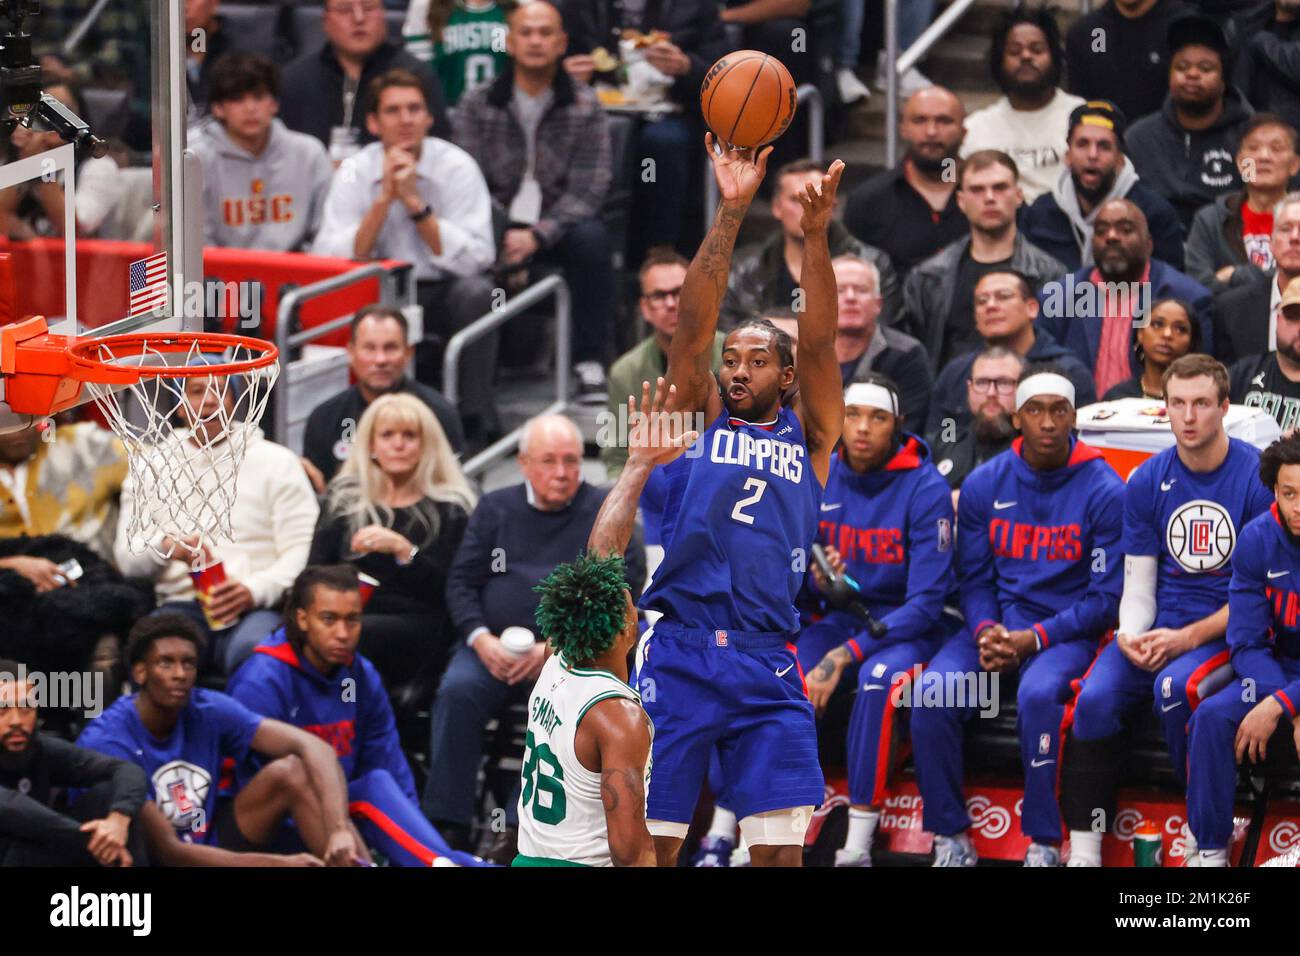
(356, 719)
(1264, 608)
(1041, 549)
(893, 527)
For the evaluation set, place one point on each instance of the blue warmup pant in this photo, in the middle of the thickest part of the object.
(1042, 691)
(1115, 687)
(391, 822)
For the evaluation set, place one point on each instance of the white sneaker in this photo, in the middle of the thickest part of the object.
(1191, 852)
(851, 88)
(847, 857)
(740, 856)
(954, 851)
(1040, 854)
(1211, 858)
(910, 82)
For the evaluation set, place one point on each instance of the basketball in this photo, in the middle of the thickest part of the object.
(748, 98)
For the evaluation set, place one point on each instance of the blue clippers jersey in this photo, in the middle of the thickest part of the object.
(349, 710)
(739, 519)
(1264, 606)
(893, 527)
(1191, 522)
(184, 768)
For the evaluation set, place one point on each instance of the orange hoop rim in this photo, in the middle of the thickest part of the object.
(172, 343)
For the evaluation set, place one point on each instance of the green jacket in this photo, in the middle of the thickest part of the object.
(642, 363)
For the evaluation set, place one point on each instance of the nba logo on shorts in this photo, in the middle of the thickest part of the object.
(720, 637)
(1200, 536)
(1044, 743)
(1167, 688)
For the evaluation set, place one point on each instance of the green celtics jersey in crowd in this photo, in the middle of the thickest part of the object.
(472, 49)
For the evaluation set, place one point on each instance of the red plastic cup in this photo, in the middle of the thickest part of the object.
(368, 585)
(205, 582)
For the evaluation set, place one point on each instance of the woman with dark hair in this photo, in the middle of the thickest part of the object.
(1169, 334)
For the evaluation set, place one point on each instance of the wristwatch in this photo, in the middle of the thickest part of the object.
(415, 549)
(423, 214)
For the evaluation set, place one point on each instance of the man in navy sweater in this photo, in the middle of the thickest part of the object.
(516, 536)
(1039, 565)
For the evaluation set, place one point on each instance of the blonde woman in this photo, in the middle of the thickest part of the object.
(396, 511)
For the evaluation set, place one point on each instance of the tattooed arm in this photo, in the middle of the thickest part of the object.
(615, 735)
(825, 677)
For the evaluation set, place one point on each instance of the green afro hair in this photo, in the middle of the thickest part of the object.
(583, 607)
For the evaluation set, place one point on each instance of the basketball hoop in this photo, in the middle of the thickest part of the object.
(184, 450)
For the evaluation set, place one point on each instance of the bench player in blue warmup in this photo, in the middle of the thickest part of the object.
(1238, 723)
(887, 522)
(719, 668)
(1183, 511)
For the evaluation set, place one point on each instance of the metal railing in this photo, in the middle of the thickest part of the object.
(808, 94)
(285, 340)
(535, 293)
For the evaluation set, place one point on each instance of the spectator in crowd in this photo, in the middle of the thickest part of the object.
(1272, 381)
(1029, 123)
(62, 479)
(691, 39)
(397, 511)
(327, 93)
(36, 207)
(1268, 65)
(1186, 152)
(101, 826)
(1170, 332)
(310, 675)
(661, 277)
(179, 735)
(991, 401)
(1120, 52)
(848, 56)
(414, 197)
(1097, 171)
(1092, 310)
(1245, 317)
(1005, 310)
(464, 40)
(865, 346)
(543, 142)
(378, 355)
(911, 211)
(515, 538)
(938, 292)
(766, 276)
(207, 40)
(263, 184)
(271, 521)
(769, 25)
(1231, 240)
(110, 53)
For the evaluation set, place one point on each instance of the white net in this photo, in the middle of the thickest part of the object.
(185, 437)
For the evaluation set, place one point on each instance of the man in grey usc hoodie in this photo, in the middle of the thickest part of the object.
(264, 185)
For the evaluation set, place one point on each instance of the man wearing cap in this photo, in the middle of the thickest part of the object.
(1183, 511)
(886, 521)
(1272, 381)
(1038, 561)
(1187, 151)
(1060, 222)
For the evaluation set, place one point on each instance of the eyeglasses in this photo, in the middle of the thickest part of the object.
(1002, 295)
(1005, 386)
(352, 9)
(660, 296)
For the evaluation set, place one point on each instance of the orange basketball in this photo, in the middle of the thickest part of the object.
(748, 98)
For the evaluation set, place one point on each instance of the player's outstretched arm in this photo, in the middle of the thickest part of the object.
(656, 435)
(739, 173)
(621, 733)
(821, 397)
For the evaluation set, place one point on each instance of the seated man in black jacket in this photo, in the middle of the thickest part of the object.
(1245, 316)
(99, 829)
(958, 450)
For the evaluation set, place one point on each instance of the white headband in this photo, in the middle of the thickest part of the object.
(1044, 383)
(871, 395)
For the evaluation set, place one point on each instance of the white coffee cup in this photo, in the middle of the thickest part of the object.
(517, 640)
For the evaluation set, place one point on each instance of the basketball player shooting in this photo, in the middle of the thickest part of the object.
(719, 669)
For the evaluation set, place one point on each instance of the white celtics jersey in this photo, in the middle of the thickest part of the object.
(561, 816)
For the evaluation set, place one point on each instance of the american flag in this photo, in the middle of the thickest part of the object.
(148, 284)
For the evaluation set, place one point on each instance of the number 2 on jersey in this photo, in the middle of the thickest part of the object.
(543, 774)
(738, 512)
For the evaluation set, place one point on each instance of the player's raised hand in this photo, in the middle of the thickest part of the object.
(657, 434)
(738, 171)
(818, 201)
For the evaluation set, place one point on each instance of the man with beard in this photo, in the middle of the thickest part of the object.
(938, 293)
(1030, 121)
(100, 828)
(1272, 381)
(1245, 317)
(1061, 222)
(1092, 311)
(911, 211)
(991, 399)
(1268, 66)
(1005, 309)
(1186, 152)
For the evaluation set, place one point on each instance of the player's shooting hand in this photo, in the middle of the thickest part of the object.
(656, 434)
(580, 66)
(41, 572)
(739, 172)
(668, 58)
(495, 658)
(819, 201)
(108, 838)
(1255, 730)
